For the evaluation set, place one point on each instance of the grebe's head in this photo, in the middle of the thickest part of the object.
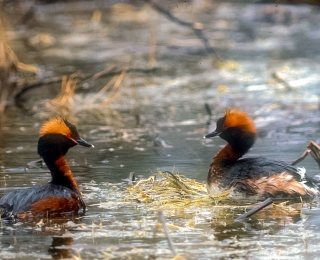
(60, 126)
(237, 128)
(57, 136)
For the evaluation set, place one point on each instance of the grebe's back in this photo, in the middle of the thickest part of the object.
(254, 176)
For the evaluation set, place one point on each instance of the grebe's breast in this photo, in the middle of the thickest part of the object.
(268, 177)
(45, 200)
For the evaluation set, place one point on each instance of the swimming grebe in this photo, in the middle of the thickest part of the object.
(256, 175)
(61, 195)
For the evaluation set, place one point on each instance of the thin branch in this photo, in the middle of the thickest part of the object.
(163, 222)
(278, 78)
(193, 26)
(301, 158)
(314, 150)
(105, 73)
(209, 112)
(256, 209)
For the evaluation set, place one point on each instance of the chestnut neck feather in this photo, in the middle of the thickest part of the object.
(226, 156)
(238, 144)
(52, 148)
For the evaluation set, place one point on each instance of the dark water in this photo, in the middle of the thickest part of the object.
(169, 102)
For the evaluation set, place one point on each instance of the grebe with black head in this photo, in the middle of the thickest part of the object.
(259, 176)
(61, 195)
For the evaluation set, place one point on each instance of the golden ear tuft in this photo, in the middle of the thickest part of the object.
(227, 112)
(55, 125)
(240, 119)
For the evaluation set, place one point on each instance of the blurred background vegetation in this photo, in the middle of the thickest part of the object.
(77, 57)
(144, 81)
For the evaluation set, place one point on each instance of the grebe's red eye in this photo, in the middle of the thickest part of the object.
(69, 136)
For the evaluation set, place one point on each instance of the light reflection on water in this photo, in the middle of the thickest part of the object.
(171, 104)
(122, 228)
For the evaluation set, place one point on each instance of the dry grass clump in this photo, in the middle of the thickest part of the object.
(67, 103)
(63, 103)
(9, 70)
(174, 191)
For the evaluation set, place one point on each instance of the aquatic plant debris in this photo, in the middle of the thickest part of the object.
(189, 214)
(67, 102)
(173, 191)
(167, 100)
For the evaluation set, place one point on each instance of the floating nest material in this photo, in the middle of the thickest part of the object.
(166, 190)
(170, 191)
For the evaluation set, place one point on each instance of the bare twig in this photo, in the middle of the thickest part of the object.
(314, 150)
(256, 209)
(209, 112)
(115, 88)
(102, 73)
(181, 185)
(105, 73)
(301, 158)
(278, 78)
(103, 90)
(131, 178)
(196, 28)
(163, 222)
(26, 87)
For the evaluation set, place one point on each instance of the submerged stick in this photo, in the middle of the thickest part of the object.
(277, 77)
(163, 222)
(131, 178)
(256, 209)
(209, 112)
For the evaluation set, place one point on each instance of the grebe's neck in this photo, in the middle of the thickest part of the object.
(61, 173)
(224, 159)
(52, 148)
(228, 155)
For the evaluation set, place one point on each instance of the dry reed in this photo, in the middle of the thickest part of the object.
(9, 68)
(175, 191)
(67, 103)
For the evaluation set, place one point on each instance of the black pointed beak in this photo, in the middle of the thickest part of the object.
(213, 134)
(84, 143)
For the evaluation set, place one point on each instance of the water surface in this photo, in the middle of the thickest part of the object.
(169, 103)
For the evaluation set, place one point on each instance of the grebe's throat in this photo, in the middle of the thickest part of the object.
(61, 173)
